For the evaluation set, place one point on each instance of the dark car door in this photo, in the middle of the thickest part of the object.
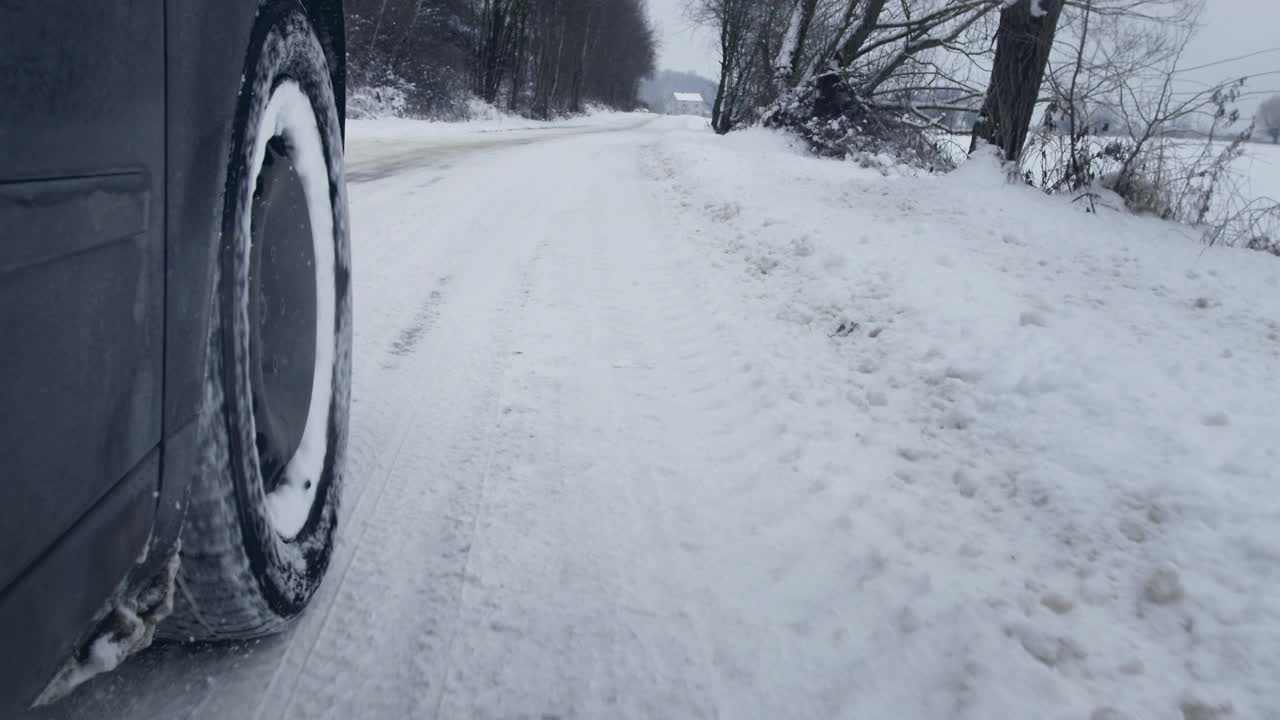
(81, 259)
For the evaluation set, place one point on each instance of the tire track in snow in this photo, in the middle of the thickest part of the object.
(490, 451)
(378, 438)
(407, 341)
(565, 617)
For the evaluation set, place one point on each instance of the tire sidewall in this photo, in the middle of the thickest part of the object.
(283, 46)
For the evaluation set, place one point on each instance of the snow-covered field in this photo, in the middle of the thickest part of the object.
(1261, 164)
(649, 423)
(1254, 175)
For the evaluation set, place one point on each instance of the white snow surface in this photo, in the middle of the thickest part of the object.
(650, 423)
(362, 132)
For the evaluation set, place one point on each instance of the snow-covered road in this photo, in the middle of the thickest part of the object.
(615, 455)
(512, 471)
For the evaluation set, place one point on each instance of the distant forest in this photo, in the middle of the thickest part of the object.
(540, 58)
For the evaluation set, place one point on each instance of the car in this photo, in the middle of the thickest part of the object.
(175, 308)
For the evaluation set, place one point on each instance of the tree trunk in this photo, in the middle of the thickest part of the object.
(852, 42)
(721, 111)
(787, 66)
(580, 63)
(492, 64)
(1023, 41)
(719, 117)
(373, 39)
(518, 60)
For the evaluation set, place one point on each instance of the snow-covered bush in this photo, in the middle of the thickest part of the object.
(1268, 243)
(834, 123)
(388, 95)
(379, 101)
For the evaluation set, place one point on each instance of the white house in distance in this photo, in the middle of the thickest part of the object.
(687, 104)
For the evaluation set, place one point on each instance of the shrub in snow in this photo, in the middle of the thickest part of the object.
(380, 94)
(380, 101)
(477, 109)
(1118, 126)
(1172, 178)
(1184, 180)
(1265, 243)
(835, 123)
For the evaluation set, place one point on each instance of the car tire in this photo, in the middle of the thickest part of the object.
(263, 506)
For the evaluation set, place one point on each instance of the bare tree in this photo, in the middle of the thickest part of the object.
(861, 76)
(841, 55)
(736, 24)
(1023, 41)
(1268, 117)
(1107, 50)
(791, 53)
(1116, 116)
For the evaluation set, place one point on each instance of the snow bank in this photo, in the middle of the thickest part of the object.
(1063, 503)
(485, 119)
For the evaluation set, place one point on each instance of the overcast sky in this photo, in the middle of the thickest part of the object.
(682, 46)
(1231, 28)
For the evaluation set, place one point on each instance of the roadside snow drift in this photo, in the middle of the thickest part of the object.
(1040, 445)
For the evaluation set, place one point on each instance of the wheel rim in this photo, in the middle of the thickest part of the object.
(282, 313)
(291, 290)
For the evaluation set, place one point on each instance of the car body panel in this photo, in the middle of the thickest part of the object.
(201, 103)
(81, 260)
(45, 614)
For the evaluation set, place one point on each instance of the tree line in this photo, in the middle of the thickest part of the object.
(882, 68)
(540, 58)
